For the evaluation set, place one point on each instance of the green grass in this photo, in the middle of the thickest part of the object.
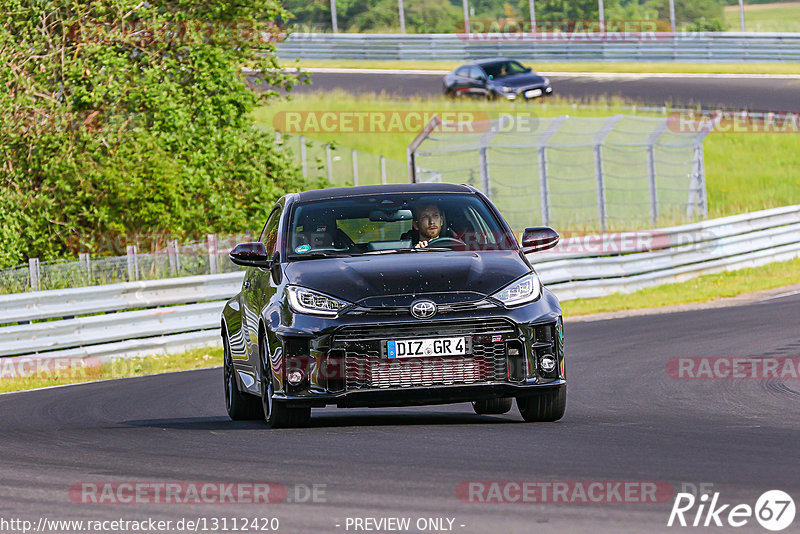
(702, 289)
(579, 66)
(777, 17)
(149, 365)
(745, 171)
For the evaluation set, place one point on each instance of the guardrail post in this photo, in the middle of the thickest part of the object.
(174, 257)
(303, 155)
(133, 263)
(355, 167)
(278, 140)
(33, 266)
(383, 170)
(213, 249)
(86, 263)
(329, 161)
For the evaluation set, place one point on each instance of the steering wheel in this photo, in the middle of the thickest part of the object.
(446, 242)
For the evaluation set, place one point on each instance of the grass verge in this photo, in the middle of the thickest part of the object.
(576, 66)
(148, 365)
(702, 289)
(775, 17)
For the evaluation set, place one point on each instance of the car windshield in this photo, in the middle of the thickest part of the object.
(394, 223)
(501, 69)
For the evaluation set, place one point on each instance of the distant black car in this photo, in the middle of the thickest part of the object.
(392, 295)
(496, 78)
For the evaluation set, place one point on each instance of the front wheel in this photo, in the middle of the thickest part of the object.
(277, 414)
(546, 406)
(240, 406)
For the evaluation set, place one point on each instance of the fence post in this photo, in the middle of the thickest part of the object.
(133, 263)
(329, 160)
(86, 262)
(483, 158)
(355, 168)
(601, 187)
(383, 170)
(598, 168)
(651, 178)
(543, 187)
(303, 155)
(174, 258)
(212, 253)
(278, 140)
(651, 170)
(33, 266)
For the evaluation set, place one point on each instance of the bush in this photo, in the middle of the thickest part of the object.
(121, 117)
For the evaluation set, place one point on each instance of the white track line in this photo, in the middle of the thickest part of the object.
(598, 75)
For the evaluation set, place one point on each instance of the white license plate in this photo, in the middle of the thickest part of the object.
(424, 348)
(532, 93)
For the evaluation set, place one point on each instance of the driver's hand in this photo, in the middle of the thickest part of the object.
(422, 244)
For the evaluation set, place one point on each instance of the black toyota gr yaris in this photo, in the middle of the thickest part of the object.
(394, 295)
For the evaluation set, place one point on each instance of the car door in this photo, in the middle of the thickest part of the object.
(460, 80)
(257, 289)
(476, 85)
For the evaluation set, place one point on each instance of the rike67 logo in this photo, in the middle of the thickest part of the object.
(774, 510)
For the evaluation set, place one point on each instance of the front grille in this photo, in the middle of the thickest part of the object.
(366, 368)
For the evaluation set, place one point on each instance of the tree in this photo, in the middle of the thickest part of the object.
(121, 117)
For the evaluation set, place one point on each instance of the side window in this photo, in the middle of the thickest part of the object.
(463, 72)
(475, 73)
(269, 236)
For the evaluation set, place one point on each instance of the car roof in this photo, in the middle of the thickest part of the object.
(486, 61)
(340, 192)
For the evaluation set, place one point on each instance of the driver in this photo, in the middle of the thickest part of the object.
(427, 223)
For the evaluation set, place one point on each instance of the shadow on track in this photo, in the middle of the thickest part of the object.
(327, 421)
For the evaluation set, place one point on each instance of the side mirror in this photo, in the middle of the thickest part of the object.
(538, 239)
(250, 255)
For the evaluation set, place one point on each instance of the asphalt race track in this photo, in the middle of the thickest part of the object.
(755, 94)
(626, 420)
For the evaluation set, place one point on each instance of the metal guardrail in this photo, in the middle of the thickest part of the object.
(171, 315)
(697, 47)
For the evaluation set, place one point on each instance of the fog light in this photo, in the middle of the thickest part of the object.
(294, 377)
(548, 363)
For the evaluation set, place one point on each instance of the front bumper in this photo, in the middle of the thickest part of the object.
(343, 361)
(420, 396)
(529, 93)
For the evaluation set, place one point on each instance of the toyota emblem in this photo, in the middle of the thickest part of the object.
(423, 309)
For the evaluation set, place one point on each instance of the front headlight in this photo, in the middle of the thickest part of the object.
(303, 300)
(508, 89)
(526, 289)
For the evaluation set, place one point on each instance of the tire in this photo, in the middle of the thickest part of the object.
(277, 414)
(240, 406)
(492, 406)
(546, 406)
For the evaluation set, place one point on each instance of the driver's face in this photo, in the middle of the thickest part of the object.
(428, 223)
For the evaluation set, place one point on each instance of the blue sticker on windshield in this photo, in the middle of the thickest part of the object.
(302, 249)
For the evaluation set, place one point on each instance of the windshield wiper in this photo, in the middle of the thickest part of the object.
(319, 254)
(408, 250)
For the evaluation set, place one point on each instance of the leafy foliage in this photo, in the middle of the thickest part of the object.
(124, 117)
